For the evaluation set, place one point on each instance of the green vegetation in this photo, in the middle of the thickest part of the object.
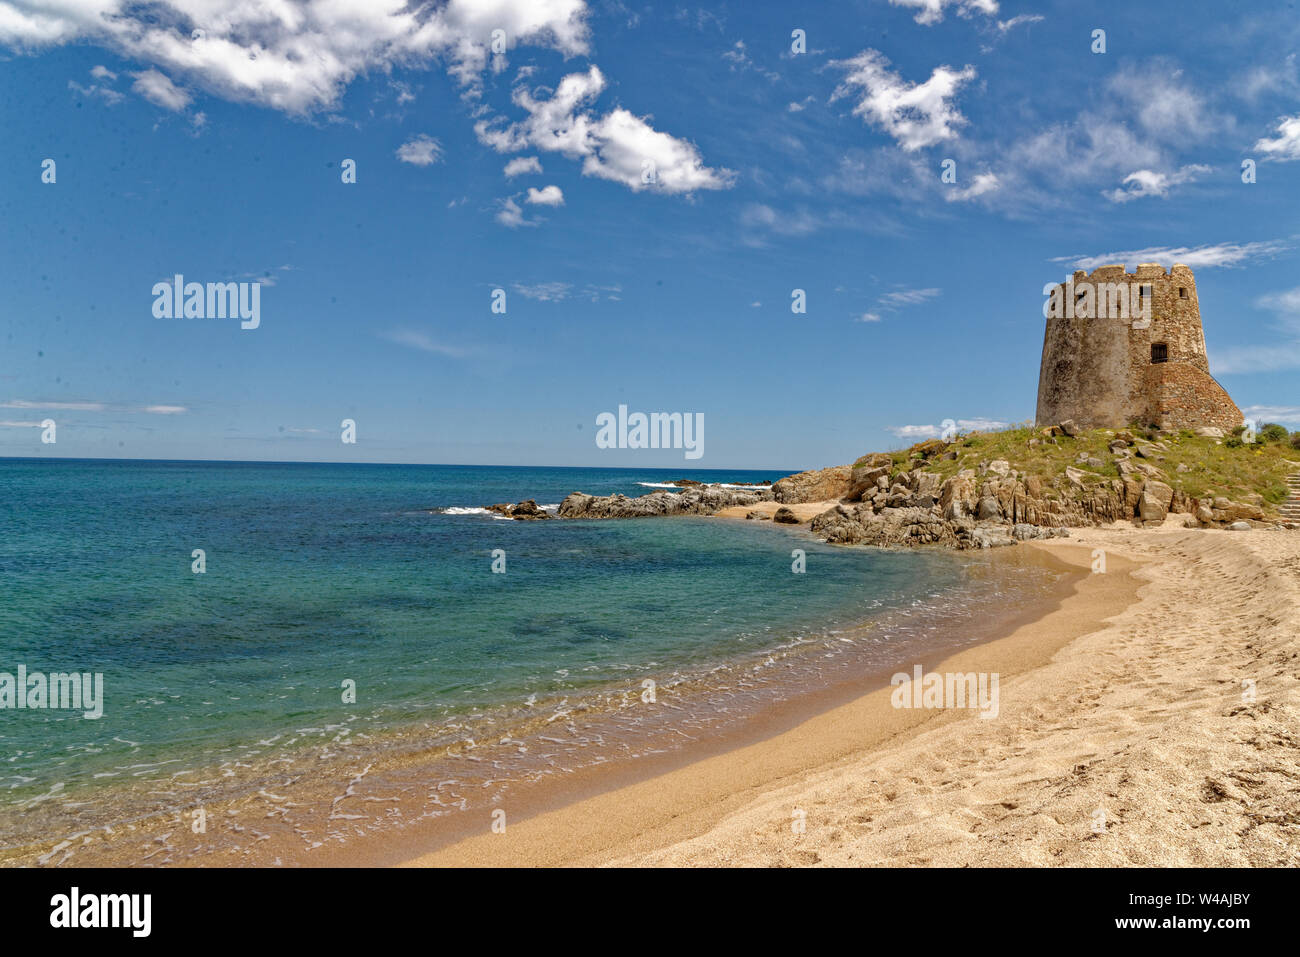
(1228, 467)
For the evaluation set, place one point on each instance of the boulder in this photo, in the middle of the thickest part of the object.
(783, 516)
(1069, 428)
(820, 485)
(864, 479)
(1153, 506)
(528, 511)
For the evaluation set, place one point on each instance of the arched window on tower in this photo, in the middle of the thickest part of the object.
(1159, 352)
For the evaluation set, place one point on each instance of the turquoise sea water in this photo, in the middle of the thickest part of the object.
(321, 574)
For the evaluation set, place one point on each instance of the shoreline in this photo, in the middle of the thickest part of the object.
(1125, 702)
(649, 809)
(284, 811)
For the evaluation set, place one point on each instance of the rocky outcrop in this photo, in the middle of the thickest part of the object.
(697, 500)
(526, 511)
(822, 485)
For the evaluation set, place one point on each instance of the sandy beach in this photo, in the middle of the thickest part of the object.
(1149, 720)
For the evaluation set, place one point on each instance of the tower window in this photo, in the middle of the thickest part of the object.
(1159, 352)
(1182, 292)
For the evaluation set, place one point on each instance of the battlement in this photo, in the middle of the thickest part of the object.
(1146, 272)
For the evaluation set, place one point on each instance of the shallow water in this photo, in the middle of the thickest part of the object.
(224, 683)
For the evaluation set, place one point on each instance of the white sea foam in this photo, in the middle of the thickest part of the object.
(716, 484)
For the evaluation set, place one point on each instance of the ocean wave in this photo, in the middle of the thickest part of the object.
(477, 510)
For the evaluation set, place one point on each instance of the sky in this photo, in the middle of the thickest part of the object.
(644, 193)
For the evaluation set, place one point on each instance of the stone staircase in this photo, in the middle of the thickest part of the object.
(1290, 509)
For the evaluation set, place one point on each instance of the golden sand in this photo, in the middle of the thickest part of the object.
(1150, 720)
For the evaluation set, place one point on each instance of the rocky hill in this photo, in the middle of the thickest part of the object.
(991, 488)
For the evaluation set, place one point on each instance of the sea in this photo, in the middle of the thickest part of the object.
(329, 634)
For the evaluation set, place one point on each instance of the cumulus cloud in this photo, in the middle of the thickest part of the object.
(546, 196)
(421, 151)
(1196, 257)
(510, 215)
(521, 165)
(618, 146)
(916, 115)
(931, 11)
(1284, 147)
(159, 90)
(296, 55)
(1146, 182)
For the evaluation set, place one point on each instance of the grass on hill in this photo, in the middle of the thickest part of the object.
(1246, 472)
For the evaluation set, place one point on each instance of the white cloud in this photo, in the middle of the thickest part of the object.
(9, 424)
(916, 115)
(618, 146)
(1284, 147)
(868, 317)
(934, 431)
(423, 150)
(1281, 414)
(931, 11)
(295, 55)
(159, 90)
(102, 73)
(756, 217)
(424, 342)
(544, 291)
(510, 214)
(1196, 257)
(93, 407)
(1267, 358)
(908, 297)
(106, 93)
(1146, 182)
(546, 196)
(1284, 302)
(1268, 79)
(523, 164)
(57, 406)
(981, 184)
(1007, 25)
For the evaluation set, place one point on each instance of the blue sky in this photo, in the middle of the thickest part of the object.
(189, 139)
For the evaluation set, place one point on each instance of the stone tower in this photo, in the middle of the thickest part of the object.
(1107, 365)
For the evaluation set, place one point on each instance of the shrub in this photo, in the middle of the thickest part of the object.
(1273, 433)
(1295, 440)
